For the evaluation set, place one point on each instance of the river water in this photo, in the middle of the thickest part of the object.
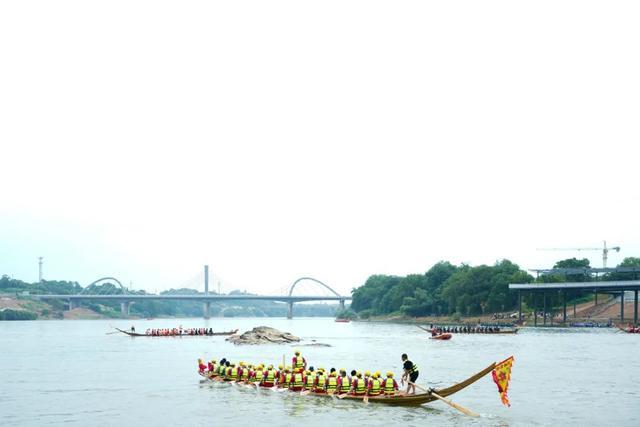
(73, 372)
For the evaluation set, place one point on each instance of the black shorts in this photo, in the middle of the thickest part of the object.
(414, 376)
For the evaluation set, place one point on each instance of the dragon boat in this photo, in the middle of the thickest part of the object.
(399, 399)
(135, 334)
(500, 332)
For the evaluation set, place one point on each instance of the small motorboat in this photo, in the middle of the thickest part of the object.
(441, 337)
(343, 320)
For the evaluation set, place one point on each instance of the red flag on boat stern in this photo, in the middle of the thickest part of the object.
(501, 376)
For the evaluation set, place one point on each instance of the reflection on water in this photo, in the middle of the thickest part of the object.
(56, 372)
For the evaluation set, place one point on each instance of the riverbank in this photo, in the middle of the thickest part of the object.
(606, 310)
(439, 320)
(18, 308)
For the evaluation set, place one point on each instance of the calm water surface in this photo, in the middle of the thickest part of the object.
(72, 372)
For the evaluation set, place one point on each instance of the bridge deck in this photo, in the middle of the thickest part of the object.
(204, 298)
(627, 285)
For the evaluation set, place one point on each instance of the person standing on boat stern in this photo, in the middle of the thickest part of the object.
(410, 373)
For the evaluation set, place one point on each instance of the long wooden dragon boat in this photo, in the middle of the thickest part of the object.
(398, 399)
(501, 332)
(135, 334)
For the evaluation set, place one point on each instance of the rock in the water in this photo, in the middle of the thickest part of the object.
(263, 335)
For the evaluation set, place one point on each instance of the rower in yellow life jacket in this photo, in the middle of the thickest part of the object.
(222, 369)
(374, 387)
(232, 373)
(258, 374)
(297, 383)
(332, 382)
(367, 377)
(280, 374)
(288, 377)
(358, 386)
(320, 381)
(309, 379)
(390, 385)
(244, 371)
(269, 379)
(345, 382)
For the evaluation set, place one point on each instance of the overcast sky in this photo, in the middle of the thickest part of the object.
(335, 139)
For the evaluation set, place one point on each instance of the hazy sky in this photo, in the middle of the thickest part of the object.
(336, 139)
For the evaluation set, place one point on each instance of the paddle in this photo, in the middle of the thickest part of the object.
(365, 399)
(448, 402)
(305, 392)
(424, 329)
(342, 396)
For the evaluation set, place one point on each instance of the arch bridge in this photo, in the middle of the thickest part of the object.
(126, 299)
(290, 303)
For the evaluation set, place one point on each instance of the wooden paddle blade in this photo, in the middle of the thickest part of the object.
(342, 396)
(455, 405)
(365, 399)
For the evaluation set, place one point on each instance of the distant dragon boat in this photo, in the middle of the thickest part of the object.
(397, 399)
(500, 332)
(629, 329)
(135, 334)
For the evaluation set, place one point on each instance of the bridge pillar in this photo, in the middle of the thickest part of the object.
(535, 308)
(544, 308)
(206, 307)
(635, 307)
(290, 310)
(564, 306)
(622, 306)
(124, 308)
(73, 303)
(519, 306)
(342, 304)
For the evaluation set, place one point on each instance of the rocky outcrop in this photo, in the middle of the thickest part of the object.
(263, 335)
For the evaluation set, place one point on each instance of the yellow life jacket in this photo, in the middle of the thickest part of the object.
(414, 368)
(258, 376)
(389, 387)
(346, 384)
(297, 380)
(245, 374)
(360, 387)
(221, 370)
(308, 384)
(375, 386)
(299, 362)
(287, 379)
(271, 376)
(332, 383)
(321, 382)
(233, 373)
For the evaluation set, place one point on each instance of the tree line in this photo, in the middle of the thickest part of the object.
(462, 290)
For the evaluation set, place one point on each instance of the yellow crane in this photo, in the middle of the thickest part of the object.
(605, 251)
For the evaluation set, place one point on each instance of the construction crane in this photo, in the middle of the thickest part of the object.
(605, 251)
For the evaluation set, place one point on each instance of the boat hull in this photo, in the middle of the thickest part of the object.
(442, 337)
